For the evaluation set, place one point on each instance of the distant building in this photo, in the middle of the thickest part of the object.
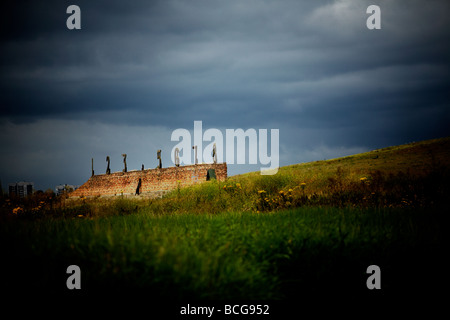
(21, 189)
(63, 188)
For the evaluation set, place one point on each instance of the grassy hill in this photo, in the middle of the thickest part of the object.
(414, 174)
(415, 159)
(308, 232)
(410, 175)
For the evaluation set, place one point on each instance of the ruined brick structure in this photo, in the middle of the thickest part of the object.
(150, 182)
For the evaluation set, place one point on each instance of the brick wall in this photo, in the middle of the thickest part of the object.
(153, 181)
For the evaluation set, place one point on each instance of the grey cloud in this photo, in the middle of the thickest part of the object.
(310, 68)
(51, 152)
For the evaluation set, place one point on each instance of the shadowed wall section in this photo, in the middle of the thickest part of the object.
(151, 182)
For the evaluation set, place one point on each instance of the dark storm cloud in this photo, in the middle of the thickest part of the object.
(310, 68)
(205, 55)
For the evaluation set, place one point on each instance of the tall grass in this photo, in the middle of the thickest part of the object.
(223, 256)
(249, 193)
(284, 190)
(311, 229)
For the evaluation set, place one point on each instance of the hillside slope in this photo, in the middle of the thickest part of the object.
(416, 159)
(414, 174)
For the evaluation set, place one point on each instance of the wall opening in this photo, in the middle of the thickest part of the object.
(210, 174)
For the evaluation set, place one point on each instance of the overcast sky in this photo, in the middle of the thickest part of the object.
(138, 70)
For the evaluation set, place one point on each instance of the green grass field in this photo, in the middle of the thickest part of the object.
(309, 231)
(225, 256)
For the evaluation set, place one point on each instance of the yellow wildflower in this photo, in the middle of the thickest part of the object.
(17, 210)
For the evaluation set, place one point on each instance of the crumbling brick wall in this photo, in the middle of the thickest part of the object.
(152, 180)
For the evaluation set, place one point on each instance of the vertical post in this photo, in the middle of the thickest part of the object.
(108, 170)
(124, 155)
(214, 154)
(177, 157)
(92, 167)
(158, 156)
(196, 159)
